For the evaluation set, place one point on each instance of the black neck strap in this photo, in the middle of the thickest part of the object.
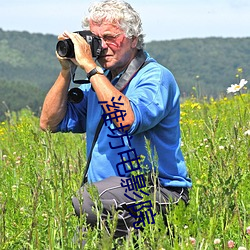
(136, 64)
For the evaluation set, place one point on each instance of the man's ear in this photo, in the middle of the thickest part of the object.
(134, 42)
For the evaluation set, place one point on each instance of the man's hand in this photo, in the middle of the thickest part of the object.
(66, 63)
(83, 54)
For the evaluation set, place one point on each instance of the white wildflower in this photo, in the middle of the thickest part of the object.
(217, 241)
(236, 87)
(247, 133)
(242, 248)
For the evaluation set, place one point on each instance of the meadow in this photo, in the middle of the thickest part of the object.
(40, 172)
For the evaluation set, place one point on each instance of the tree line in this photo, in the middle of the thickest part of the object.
(202, 67)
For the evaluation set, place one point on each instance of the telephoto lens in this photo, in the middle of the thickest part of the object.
(65, 48)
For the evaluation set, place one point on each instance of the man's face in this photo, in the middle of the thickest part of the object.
(118, 50)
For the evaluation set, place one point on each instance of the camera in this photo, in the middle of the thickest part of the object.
(65, 48)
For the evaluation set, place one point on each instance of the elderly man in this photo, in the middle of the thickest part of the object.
(138, 101)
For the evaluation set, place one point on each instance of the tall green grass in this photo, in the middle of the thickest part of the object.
(40, 172)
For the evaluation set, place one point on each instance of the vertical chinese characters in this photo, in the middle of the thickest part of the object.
(138, 208)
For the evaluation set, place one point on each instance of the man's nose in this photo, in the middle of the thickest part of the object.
(104, 44)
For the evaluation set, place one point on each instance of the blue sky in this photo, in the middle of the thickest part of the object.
(162, 19)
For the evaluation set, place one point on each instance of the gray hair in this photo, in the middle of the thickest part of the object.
(120, 13)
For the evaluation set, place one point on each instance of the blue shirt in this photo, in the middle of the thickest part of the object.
(154, 97)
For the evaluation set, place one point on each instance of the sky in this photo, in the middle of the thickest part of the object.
(162, 19)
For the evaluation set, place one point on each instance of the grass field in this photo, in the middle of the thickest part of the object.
(40, 172)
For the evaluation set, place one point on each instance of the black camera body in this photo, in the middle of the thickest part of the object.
(65, 48)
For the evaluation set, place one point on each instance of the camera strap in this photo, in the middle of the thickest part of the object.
(136, 64)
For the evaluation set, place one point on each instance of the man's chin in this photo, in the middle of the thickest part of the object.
(105, 63)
